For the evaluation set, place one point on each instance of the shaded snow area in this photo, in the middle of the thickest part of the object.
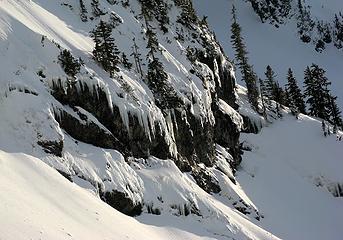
(279, 47)
(290, 173)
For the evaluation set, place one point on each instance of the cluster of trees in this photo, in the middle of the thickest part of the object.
(105, 52)
(157, 9)
(108, 56)
(188, 15)
(275, 11)
(69, 64)
(321, 103)
(309, 28)
(317, 95)
(156, 78)
(326, 32)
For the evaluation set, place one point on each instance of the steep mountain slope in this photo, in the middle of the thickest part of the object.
(101, 132)
(279, 47)
(175, 166)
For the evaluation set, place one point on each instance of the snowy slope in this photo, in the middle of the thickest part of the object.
(174, 206)
(32, 33)
(280, 47)
(289, 175)
(30, 210)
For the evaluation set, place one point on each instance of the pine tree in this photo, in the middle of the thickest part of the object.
(125, 61)
(188, 15)
(105, 51)
(153, 44)
(263, 92)
(137, 57)
(295, 98)
(270, 83)
(305, 23)
(157, 9)
(317, 92)
(96, 9)
(338, 31)
(335, 113)
(248, 74)
(280, 94)
(115, 20)
(83, 12)
(324, 35)
(157, 79)
(70, 65)
(272, 10)
(285, 8)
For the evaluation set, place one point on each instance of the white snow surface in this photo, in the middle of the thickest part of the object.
(38, 203)
(288, 175)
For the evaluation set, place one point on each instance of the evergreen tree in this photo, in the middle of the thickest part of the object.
(338, 31)
(105, 51)
(285, 8)
(295, 98)
(263, 93)
(248, 74)
(137, 57)
(157, 79)
(188, 15)
(125, 61)
(317, 92)
(157, 9)
(153, 44)
(115, 20)
(70, 65)
(96, 9)
(83, 12)
(334, 130)
(324, 33)
(280, 94)
(335, 113)
(305, 23)
(270, 83)
(272, 10)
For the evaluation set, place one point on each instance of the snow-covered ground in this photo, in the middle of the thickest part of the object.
(280, 47)
(39, 203)
(288, 175)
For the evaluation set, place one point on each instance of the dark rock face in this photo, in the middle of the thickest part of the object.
(205, 180)
(88, 132)
(133, 142)
(225, 84)
(122, 203)
(249, 126)
(195, 141)
(227, 135)
(225, 131)
(52, 147)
